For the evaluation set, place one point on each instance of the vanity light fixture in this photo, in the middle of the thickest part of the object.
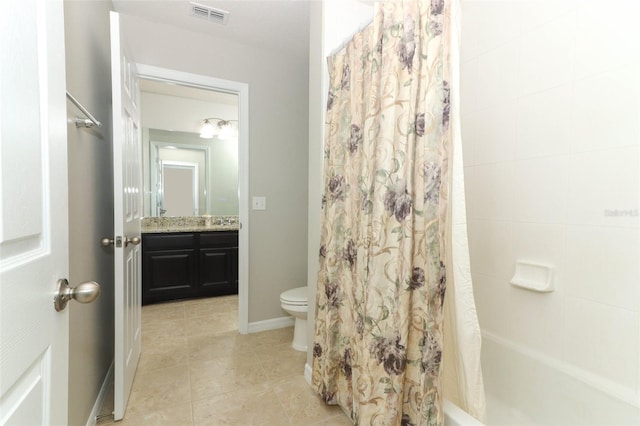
(223, 129)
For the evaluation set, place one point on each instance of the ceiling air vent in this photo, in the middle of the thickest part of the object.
(205, 12)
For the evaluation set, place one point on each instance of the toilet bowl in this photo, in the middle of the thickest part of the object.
(296, 303)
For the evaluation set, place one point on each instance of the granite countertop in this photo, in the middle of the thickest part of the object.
(151, 225)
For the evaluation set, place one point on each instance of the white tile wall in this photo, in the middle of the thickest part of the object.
(543, 128)
(491, 132)
(479, 32)
(490, 193)
(551, 130)
(535, 13)
(470, 84)
(604, 109)
(497, 73)
(581, 331)
(490, 244)
(603, 266)
(598, 340)
(534, 321)
(492, 303)
(540, 190)
(604, 187)
(618, 358)
(607, 35)
(547, 55)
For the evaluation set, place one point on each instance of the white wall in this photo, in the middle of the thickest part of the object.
(551, 109)
(181, 114)
(332, 22)
(278, 147)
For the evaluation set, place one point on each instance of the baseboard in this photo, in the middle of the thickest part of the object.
(271, 324)
(104, 389)
(307, 373)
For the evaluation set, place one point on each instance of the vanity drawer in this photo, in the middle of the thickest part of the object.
(219, 239)
(168, 241)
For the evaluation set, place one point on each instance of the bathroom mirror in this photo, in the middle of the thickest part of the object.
(188, 175)
(184, 173)
(180, 195)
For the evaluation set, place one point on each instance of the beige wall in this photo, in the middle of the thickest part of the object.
(90, 202)
(278, 146)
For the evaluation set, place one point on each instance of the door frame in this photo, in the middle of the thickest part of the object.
(240, 89)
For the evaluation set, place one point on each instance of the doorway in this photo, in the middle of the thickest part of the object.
(175, 78)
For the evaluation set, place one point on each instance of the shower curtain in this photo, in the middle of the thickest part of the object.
(461, 372)
(382, 278)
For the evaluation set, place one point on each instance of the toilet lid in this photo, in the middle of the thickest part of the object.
(295, 296)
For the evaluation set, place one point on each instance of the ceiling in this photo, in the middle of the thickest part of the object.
(273, 24)
(182, 91)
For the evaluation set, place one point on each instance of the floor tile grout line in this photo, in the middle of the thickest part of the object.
(282, 407)
(186, 343)
(272, 342)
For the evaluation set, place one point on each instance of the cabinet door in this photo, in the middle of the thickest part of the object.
(234, 268)
(168, 275)
(218, 271)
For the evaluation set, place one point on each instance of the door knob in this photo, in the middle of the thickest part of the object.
(135, 241)
(106, 242)
(86, 292)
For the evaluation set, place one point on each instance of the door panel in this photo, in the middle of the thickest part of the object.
(127, 181)
(33, 213)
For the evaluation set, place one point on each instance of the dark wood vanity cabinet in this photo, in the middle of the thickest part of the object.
(185, 265)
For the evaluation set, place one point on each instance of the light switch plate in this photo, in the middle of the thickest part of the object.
(259, 203)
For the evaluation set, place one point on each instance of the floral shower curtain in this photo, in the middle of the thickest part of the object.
(381, 284)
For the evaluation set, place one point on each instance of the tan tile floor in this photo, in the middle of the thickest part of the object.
(195, 369)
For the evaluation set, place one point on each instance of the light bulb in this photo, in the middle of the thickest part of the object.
(207, 131)
(227, 131)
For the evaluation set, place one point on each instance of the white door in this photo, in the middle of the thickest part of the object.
(33, 213)
(127, 181)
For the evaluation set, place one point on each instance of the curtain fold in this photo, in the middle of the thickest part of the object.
(379, 318)
(461, 371)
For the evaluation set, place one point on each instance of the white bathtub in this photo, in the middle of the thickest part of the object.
(523, 387)
(455, 416)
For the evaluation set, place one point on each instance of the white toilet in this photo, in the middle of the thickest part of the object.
(296, 303)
